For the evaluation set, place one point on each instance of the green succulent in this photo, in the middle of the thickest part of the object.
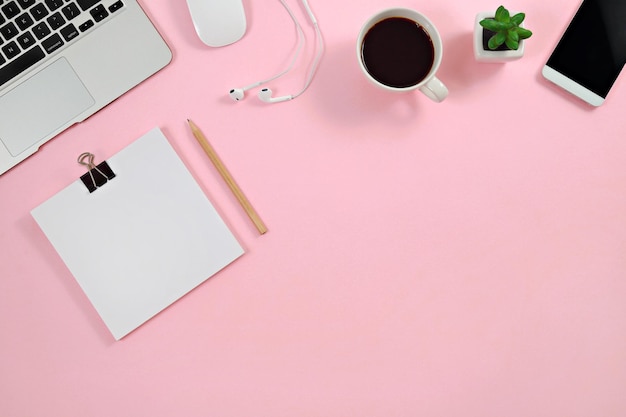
(507, 29)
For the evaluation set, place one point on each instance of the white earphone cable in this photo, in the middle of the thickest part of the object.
(319, 42)
(295, 56)
(265, 94)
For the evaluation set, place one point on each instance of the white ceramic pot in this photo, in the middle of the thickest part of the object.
(487, 55)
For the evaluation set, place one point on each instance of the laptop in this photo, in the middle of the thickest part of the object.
(63, 60)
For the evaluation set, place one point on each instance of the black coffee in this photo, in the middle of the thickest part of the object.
(398, 52)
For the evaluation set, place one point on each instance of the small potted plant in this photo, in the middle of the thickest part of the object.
(499, 36)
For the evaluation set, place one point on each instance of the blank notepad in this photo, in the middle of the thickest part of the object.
(142, 240)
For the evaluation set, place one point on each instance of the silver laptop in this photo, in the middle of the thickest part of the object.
(63, 60)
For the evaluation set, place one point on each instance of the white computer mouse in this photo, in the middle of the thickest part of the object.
(218, 22)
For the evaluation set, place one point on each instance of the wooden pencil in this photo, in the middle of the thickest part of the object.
(221, 168)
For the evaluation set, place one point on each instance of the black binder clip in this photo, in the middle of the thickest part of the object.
(96, 176)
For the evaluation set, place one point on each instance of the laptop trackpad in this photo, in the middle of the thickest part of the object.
(41, 105)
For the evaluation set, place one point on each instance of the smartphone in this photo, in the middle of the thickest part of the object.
(591, 52)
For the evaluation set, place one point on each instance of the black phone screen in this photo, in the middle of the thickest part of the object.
(592, 50)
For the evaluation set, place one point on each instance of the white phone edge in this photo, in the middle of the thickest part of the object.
(571, 86)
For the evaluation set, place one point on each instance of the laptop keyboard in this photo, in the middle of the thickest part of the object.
(30, 30)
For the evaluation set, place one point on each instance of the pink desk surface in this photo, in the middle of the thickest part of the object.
(458, 259)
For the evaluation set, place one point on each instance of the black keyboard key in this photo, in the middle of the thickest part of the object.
(41, 30)
(9, 31)
(69, 32)
(2, 60)
(116, 6)
(26, 3)
(21, 64)
(88, 24)
(54, 4)
(2, 19)
(70, 11)
(99, 13)
(39, 11)
(10, 10)
(11, 50)
(87, 4)
(26, 40)
(24, 21)
(52, 43)
(56, 21)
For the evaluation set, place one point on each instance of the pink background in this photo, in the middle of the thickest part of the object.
(464, 258)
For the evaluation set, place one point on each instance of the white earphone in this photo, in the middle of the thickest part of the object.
(265, 94)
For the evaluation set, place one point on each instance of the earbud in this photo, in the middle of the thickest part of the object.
(236, 94)
(266, 95)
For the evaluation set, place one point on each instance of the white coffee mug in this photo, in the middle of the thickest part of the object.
(430, 85)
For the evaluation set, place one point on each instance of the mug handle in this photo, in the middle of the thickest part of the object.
(435, 90)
